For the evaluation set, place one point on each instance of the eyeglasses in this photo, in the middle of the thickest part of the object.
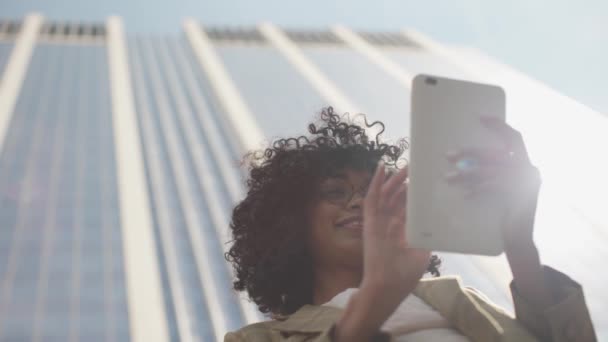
(340, 192)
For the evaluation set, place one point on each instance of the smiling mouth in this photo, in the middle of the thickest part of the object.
(351, 224)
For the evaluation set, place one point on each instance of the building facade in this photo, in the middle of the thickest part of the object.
(119, 165)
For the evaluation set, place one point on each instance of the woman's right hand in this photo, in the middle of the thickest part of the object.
(391, 270)
(388, 262)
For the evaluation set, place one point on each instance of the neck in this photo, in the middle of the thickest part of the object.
(329, 282)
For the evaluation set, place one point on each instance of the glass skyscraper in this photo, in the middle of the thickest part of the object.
(119, 165)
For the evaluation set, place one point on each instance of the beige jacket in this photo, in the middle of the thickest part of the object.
(465, 308)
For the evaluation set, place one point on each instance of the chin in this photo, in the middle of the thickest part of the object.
(351, 252)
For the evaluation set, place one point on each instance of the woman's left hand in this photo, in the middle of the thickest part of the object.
(506, 171)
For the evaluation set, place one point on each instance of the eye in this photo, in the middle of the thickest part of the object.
(334, 192)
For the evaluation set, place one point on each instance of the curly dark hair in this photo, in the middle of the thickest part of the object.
(270, 226)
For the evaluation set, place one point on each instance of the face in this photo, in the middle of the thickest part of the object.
(336, 219)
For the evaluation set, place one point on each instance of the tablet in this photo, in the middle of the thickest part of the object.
(445, 117)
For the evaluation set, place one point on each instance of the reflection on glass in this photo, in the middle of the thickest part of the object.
(5, 51)
(281, 100)
(58, 151)
(378, 94)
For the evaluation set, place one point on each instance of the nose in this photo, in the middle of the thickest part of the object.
(356, 202)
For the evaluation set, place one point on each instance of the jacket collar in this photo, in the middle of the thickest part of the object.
(444, 294)
(310, 319)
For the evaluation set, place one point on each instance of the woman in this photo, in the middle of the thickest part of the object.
(319, 245)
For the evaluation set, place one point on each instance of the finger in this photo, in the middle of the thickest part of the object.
(396, 224)
(508, 134)
(478, 154)
(397, 199)
(392, 184)
(486, 187)
(475, 176)
(456, 177)
(499, 126)
(371, 198)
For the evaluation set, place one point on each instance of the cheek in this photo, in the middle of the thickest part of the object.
(322, 218)
(330, 246)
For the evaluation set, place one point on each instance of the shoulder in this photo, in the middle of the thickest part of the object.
(261, 331)
(309, 320)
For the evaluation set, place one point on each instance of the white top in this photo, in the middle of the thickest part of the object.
(413, 320)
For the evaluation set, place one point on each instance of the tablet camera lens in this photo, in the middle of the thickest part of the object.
(431, 81)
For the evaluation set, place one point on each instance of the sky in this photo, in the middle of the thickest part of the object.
(561, 43)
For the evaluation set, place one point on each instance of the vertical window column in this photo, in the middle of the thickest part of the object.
(239, 115)
(148, 320)
(15, 70)
(307, 69)
(359, 44)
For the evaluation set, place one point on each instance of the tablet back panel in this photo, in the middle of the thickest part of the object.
(445, 117)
